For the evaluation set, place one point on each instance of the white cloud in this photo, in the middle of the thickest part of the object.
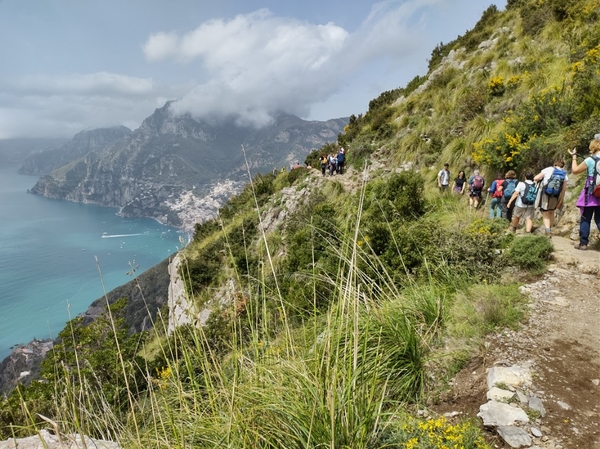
(248, 66)
(63, 106)
(66, 116)
(102, 83)
(160, 46)
(260, 63)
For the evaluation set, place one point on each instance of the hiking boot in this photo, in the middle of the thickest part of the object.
(581, 247)
(512, 229)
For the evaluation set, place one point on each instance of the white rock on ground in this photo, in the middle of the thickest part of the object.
(496, 414)
(46, 440)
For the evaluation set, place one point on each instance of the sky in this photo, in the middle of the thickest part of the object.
(72, 65)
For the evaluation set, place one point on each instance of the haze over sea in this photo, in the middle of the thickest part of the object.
(48, 271)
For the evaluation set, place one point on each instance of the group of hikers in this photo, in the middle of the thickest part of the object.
(333, 163)
(516, 200)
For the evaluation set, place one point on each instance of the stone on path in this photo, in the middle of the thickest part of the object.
(496, 414)
(536, 404)
(515, 436)
(511, 376)
(500, 395)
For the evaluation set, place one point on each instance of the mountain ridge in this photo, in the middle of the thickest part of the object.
(170, 157)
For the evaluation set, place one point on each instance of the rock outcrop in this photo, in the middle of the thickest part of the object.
(23, 364)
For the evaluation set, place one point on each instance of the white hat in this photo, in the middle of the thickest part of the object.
(597, 136)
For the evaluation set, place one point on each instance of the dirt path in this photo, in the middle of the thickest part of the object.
(561, 342)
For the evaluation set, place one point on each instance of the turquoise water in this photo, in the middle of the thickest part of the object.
(48, 251)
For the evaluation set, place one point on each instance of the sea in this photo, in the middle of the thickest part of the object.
(57, 257)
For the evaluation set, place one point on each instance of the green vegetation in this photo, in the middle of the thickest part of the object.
(333, 315)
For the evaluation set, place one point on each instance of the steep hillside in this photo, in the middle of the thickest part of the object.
(335, 311)
(515, 92)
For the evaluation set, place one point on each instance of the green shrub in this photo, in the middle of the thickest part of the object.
(472, 103)
(399, 197)
(530, 253)
(484, 308)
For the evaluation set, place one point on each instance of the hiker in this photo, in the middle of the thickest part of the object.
(524, 198)
(589, 199)
(508, 188)
(476, 184)
(552, 192)
(275, 171)
(341, 159)
(323, 161)
(332, 163)
(496, 191)
(460, 183)
(443, 179)
(296, 165)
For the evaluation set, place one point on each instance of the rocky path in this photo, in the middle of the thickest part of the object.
(556, 356)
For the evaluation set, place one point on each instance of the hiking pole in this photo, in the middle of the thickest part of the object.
(483, 202)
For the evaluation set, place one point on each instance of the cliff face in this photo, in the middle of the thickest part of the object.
(23, 364)
(168, 158)
(44, 162)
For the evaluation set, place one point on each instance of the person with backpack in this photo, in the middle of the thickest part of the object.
(524, 198)
(508, 188)
(323, 161)
(496, 191)
(476, 184)
(341, 160)
(589, 199)
(552, 192)
(332, 159)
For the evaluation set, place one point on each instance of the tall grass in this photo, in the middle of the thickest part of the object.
(340, 377)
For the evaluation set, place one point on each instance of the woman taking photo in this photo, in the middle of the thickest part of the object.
(589, 199)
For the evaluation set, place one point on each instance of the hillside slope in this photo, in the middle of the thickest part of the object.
(341, 309)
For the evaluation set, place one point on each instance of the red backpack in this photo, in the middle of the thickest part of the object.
(497, 193)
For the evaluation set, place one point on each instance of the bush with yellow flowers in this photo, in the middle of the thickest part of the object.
(496, 86)
(437, 433)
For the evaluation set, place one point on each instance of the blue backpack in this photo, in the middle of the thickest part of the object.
(508, 191)
(529, 194)
(555, 183)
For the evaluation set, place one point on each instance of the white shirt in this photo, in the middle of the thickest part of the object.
(520, 189)
(444, 177)
(548, 172)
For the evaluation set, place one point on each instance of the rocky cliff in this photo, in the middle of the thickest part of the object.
(173, 159)
(23, 364)
(44, 162)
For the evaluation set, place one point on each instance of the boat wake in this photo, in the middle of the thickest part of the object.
(114, 236)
